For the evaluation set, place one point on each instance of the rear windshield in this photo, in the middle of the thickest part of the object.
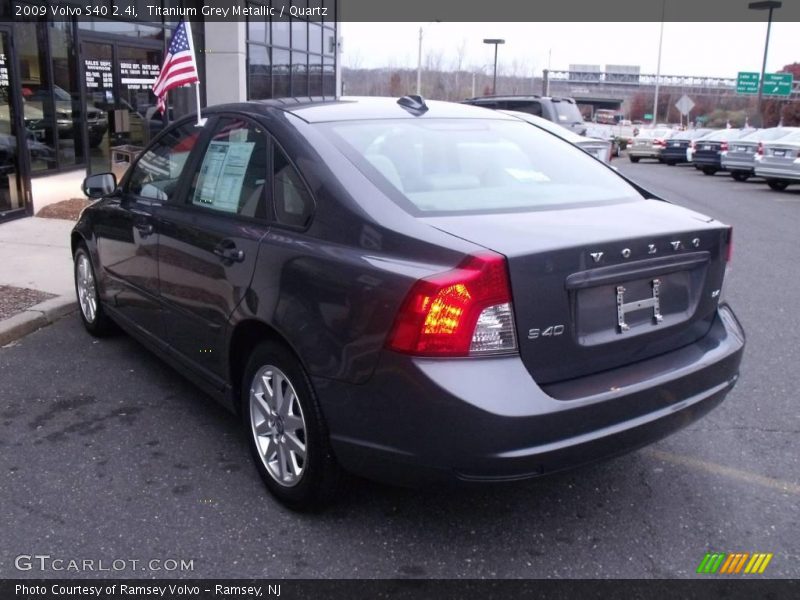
(724, 134)
(792, 137)
(654, 133)
(766, 135)
(690, 135)
(474, 165)
(567, 112)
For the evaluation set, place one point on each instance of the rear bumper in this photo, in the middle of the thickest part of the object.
(737, 164)
(644, 152)
(707, 161)
(674, 154)
(775, 172)
(419, 421)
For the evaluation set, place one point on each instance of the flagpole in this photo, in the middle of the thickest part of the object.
(197, 96)
(197, 85)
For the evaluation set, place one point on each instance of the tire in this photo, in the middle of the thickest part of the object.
(634, 159)
(709, 170)
(671, 163)
(698, 167)
(93, 316)
(286, 431)
(740, 175)
(94, 142)
(777, 184)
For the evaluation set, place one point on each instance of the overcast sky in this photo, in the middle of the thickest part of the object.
(714, 49)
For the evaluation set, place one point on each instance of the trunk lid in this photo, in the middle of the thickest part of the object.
(583, 281)
(782, 152)
(682, 144)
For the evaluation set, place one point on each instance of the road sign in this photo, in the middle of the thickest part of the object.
(778, 84)
(747, 82)
(648, 115)
(684, 105)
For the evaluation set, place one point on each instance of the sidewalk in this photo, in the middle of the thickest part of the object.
(35, 254)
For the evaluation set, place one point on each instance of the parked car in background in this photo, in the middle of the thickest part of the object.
(601, 149)
(607, 116)
(648, 143)
(707, 155)
(740, 159)
(68, 112)
(675, 149)
(414, 291)
(779, 161)
(563, 111)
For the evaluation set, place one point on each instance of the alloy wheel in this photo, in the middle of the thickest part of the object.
(87, 292)
(278, 425)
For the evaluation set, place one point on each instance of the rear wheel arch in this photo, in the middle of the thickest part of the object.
(246, 336)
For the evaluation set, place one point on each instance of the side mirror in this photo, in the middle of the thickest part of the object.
(102, 184)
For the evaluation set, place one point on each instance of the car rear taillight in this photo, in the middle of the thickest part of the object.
(760, 149)
(723, 147)
(463, 312)
(659, 142)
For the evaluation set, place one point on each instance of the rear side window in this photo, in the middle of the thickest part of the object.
(293, 204)
(156, 174)
(233, 170)
(531, 107)
(474, 165)
(567, 112)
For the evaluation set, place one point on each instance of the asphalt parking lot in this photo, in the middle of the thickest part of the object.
(106, 453)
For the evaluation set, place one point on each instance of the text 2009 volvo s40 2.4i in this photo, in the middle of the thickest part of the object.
(411, 291)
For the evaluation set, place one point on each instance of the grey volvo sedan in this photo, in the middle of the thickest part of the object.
(411, 291)
(778, 162)
(740, 158)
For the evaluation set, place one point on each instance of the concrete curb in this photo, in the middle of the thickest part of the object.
(36, 317)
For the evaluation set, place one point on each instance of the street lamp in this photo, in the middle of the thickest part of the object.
(658, 66)
(769, 5)
(496, 43)
(419, 58)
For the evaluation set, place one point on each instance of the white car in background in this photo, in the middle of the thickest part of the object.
(597, 147)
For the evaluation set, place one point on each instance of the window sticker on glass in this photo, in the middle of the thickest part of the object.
(527, 175)
(222, 175)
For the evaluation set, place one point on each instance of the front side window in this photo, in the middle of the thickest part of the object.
(475, 165)
(233, 171)
(158, 171)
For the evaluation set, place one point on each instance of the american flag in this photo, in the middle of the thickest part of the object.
(180, 65)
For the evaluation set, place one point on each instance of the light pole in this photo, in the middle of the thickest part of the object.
(419, 59)
(769, 5)
(496, 43)
(658, 66)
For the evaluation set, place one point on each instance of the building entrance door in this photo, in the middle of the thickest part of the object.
(119, 79)
(14, 199)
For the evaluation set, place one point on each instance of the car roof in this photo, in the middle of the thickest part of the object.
(520, 97)
(314, 110)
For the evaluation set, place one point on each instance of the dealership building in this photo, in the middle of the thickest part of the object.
(75, 93)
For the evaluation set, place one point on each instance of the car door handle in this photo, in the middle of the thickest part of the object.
(227, 251)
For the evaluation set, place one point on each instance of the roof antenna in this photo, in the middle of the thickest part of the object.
(414, 104)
